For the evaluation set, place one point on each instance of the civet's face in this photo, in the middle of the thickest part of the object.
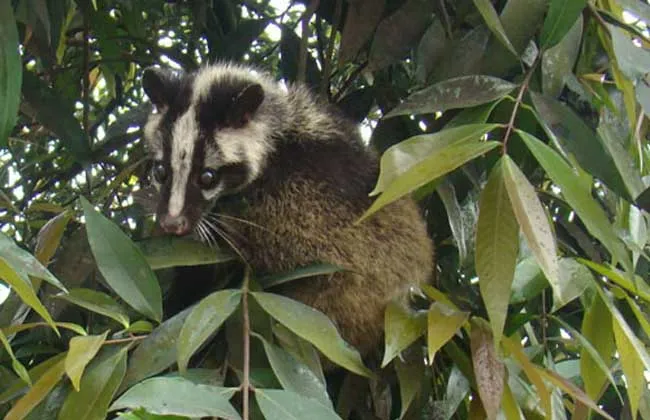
(204, 139)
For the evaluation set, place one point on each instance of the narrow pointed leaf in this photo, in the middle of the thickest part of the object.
(532, 219)
(410, 376)
(442, 324)
(203, 321)
(122, 264)
(49, 237)
(81, 352)
(497, 246)
(18, 367)
(459, 92)
(178, 396)
(558, 62)
(24, 263)
(402, 327)
(19, 387)
(300, 273)
(313, 326)
(170, 251)
(434, 166)
(491, 19)
(489, 371)
(632, 368)
(287, 405)
(561, 16)
(98, 386)
(97, 302)
(11, 71)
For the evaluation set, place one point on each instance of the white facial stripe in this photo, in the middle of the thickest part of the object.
(248, 144)
(184, 137)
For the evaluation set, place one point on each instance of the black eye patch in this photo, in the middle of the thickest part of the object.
(233, 176)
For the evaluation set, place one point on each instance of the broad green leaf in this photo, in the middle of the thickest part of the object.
(49, 237)
(97, 302)
(401, 328)
(11, 71)
(203, 321)
(300, 349)
(489, 371)
(532, 219)
(19, 387)
(122, 264)
(474, 115)
(178, 396)
(561, 16)
(410, 376)
(156, 352)
(574, 279)
(497, 246)
(442, 324)
(432, 167)
(81, 352)
(143, 415)
(598, 331)
(514, 348)
(170, 251)
(459, 92)
(430, 49)
(569, 388)
(23, 288)
(632, 368)
(572, 135)
(529, 281)
(438, 296)
(491, 18)
(98, 386)
(633, 61)
(313, 326)
(37, 392)
(637, 286)
(300, 273)
(294, 375)
(24, 263)
(18, 367)
(403, 156)
(287, 405)
(558, 61)
(577, 193)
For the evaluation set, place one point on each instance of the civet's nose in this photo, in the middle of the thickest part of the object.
(178, 225)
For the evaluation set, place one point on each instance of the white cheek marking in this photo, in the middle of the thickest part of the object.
(248, 144)
(184, 137)
(209, 195)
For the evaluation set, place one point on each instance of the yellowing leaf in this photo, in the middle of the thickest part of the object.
(442, 323)
(49, 237)
(632, 368)
(497, 246)
(597, 329)
(81, 352)
(532, 219)
(489, 371)
(37, 392)
(402, 327)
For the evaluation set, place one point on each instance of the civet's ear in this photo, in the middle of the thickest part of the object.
(159, 85)
(245, 104)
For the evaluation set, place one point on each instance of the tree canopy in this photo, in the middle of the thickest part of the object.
(520, 126)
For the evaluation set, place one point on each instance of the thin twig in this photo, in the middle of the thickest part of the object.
(245, 385)
(302, 54)
(329, 56)
(520, 97)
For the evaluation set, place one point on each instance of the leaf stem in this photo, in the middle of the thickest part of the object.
(245, 385)
(518, 101)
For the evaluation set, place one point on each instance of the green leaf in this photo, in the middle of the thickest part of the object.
(561, 16)
(459, 92)
(474, 115)
(558, 62)
(171, 251)
(491, 18)
(489, 371)
(633, 61)
(11, 71)
(532, 219)
(178, 396)
(313, 326)
(411, 376)
(497, 245)
(98, 386)
(287, 405)
(47, 106)
(637, 286)
(442, 324)
(204, 320)
(19, 387)
(122, 264)
(156, 352)
(433, 166)
(402, 327)
(81, 352)
(49, 237)
(13, 329)
(577, 192)
(312, 270)
(574, 279)
(37, 392)
(295, 376)
(398, 159)
(570, 133)
(529, 281)
(97, 302)
(18, 367)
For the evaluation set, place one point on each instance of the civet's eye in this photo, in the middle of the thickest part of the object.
(159, 171)
(208, 179)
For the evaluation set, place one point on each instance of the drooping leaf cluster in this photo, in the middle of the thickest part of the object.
(520, 126)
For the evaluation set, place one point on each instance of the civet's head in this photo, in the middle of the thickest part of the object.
(208, 137)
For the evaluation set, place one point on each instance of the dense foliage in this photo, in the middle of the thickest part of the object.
(521, 126)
